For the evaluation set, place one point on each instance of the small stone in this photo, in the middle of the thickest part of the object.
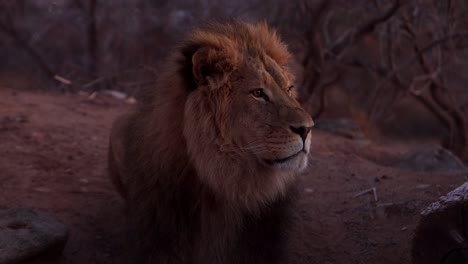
(423, 186)
(131, 100)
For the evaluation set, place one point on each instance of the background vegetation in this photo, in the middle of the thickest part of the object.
(397, 68)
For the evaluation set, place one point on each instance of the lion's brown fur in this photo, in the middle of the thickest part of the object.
(190, 198)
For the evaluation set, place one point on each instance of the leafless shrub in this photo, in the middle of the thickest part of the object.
(391, 50)
(418, 45)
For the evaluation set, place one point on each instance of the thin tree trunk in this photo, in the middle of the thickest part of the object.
(93, 67)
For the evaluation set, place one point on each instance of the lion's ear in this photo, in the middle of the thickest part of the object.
(211, 66)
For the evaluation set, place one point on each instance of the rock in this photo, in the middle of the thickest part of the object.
(131, 100)
(431, 157)
(25, 233)
(440, 236)
(343, 127)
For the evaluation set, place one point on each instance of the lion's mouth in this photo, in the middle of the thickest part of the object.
(283, 160)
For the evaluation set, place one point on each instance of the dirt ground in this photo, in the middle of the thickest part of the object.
(53, 159)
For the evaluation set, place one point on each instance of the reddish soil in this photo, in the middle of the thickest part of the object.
(53, 159)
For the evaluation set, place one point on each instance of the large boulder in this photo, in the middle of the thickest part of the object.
(431, 158)
(342, 127)
(25, 233)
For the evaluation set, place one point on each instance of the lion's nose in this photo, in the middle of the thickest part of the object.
(302, 131)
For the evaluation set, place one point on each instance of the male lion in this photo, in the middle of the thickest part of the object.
(207, 161)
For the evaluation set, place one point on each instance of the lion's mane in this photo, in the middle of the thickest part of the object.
(166, 162)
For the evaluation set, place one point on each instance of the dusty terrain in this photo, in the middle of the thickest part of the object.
(53, 159)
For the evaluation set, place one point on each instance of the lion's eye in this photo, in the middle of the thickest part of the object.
(259, 93)
(290, 88)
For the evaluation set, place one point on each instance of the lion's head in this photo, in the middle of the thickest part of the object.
(246, 133)
(226, 107)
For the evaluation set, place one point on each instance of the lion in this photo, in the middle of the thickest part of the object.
(207, 162)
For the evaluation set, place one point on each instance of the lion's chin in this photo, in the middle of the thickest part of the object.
(296, 162)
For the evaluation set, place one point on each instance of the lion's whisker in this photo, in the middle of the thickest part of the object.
(258, 150)
(254, 148)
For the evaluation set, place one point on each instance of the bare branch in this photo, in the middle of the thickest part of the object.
(428, 47)
(10, 32)
(425, 80)
(313, 59)
(351, 36)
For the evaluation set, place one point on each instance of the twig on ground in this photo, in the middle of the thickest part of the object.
(372, 190)
(62, 80)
